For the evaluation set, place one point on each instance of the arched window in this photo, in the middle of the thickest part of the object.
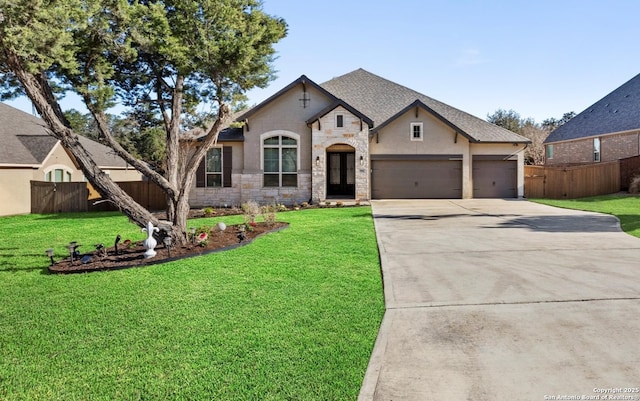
(58, 175)
(280, 161)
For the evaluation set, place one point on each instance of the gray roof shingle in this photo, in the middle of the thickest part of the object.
(381, 100)
(617, 112)
(26, 141)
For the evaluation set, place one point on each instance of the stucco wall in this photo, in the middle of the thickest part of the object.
(438, 138)
(284, 113)
(58, 159)
(15, 191)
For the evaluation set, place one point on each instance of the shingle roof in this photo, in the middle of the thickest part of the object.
(617, 112)
(381, 100)
(26, 141)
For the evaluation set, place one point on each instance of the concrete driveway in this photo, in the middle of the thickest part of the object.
(504, 300)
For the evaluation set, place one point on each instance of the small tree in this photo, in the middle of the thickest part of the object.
(157, 57)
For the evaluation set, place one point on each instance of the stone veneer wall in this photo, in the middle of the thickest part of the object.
(252, 189)
(248, 187)
(217, 197)
(328, 135)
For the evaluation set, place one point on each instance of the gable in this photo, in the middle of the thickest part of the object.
(26, 142)
(438, 137)
(301, 93)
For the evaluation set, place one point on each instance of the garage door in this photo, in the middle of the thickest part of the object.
(416, 179)
(495, 178)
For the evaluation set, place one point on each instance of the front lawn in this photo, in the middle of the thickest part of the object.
(292, 316)
(625, 208)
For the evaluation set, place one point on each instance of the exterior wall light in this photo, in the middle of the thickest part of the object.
(317, 161)
(361, 160)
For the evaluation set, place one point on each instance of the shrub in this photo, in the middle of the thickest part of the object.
(339, 203)
(208, 211)
(250, 210)
(634, 187)
(268, 214)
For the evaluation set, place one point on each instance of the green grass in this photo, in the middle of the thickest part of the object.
(625, 208)
(292, 316)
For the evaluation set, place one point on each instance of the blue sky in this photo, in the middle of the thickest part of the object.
(540, 58)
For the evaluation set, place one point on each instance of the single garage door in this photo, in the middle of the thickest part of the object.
(416, 179)
(495, 178)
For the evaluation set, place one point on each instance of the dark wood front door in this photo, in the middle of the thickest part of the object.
(341, 174)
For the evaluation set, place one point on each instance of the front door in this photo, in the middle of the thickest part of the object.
(341, 174)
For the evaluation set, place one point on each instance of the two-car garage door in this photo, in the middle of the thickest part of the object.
(416, 179)
(441, 178)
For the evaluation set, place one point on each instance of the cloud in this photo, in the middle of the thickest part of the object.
(471, 57)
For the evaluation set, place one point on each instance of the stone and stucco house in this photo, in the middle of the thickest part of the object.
(608, 130)
(358, 136)
(28, 153)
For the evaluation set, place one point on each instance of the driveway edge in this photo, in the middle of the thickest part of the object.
(370, 381)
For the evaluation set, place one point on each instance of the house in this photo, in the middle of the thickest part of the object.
(358, 136)
(607, 130)
(28, 153)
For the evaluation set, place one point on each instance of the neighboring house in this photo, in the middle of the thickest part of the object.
(28, 153)
(606, 131)
(358, 136)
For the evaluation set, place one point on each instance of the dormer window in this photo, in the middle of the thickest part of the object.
(339, 121)
(416, 131)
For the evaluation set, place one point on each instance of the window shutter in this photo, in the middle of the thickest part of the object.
(227, 165)
(201, 179)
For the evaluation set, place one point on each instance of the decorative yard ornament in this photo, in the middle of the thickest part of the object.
(50, 255)
(150, 243)
(115, 244)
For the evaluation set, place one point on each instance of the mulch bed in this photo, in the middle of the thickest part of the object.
(132, 256)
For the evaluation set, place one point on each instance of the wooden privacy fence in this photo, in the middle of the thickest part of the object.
(60, 197)
(571, 182)
(629, 168)
(147, 193)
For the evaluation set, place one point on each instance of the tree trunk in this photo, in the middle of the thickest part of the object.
(50, 111)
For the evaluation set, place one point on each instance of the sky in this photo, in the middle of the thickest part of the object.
(539, 58)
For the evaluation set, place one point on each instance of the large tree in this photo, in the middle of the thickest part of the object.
(150, 56)
(527, 127)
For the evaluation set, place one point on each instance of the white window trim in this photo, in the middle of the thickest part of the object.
(271, 134)
(51, 169)
(549, 152)
(421, 132)
(598, 152)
